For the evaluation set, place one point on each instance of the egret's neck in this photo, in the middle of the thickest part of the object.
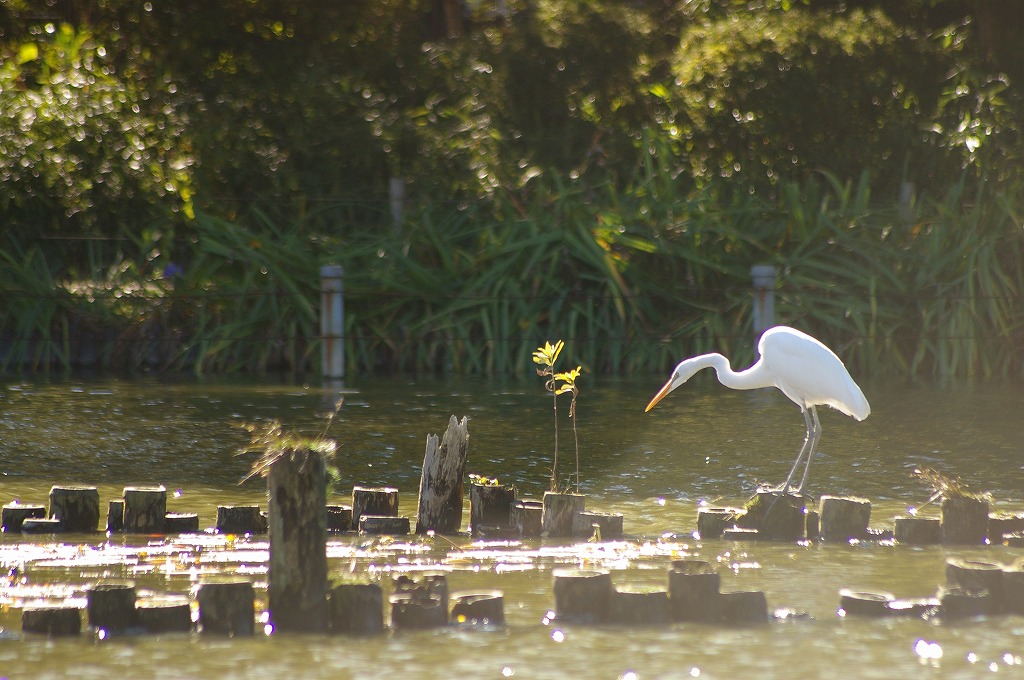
(749, 379)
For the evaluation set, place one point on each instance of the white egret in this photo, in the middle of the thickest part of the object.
(806, 371)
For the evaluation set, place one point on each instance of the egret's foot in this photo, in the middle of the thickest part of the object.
(781, 489)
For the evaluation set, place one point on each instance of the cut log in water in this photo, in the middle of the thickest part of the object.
(560, 510)
(776, 516)
(741, 607)
(582, 595)
(240, 520)
(843, 518)
(164, 615)
(917, 530)
(964, 520)
(145, 509)
(77, 507)
(638, 605)
(439, 508)
(490, 507)
(976, 576)
(693, 588)
(711, 522)
(527, 517)
(14, 514)
(111, 607)
(226, 607)
(485, 608)
(51, 620)
(380, 501)
(356, 609)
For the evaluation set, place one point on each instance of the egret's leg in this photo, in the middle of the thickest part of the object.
(814, 445)
(808, 441)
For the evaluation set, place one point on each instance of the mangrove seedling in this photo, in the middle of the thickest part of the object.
(568, 380)
(546, 357)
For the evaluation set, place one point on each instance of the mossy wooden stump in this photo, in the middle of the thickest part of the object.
(111, 607)
(77, 507)
(711, 522)
(964, 520)
(582, 595)
(380, 501)
(145, 509)
(297, 519)
(14, 514)
(52, 620)
(486, 608)
(776, 516)
(356, 609)
(560, 510)
(226, 607)
(843, 518)
(639, 605)
(917, 530)
(439, 506)
(693, 588)
(526, 517)
(490, 508)
(240, 520)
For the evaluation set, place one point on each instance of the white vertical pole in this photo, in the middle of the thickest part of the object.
(763, 276)
(396, 201)
(332, 321)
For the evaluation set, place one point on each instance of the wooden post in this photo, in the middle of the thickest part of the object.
(490, 507)
(963, 603)
(145, 509)
(763, 277)
(111, 607)
(14, 514)
(366, 501)
(478, 608)
(166, 614)
(776, 516)
(560, 510)
(383, 524)
(297, 519)
(526, 517)
(1013, 590)
(964, 520)
(439, 507)
(115, 516)
(693, 588)
(181, 523)
(240, 519)
(711, 522)
(51, 620)
(356, 609)
(917, 530)
(77, 507)
(844, 518)
(582, 595)
(339, 518)
(640, 606)
(421, 602)
(226, 607)
(600, 526)
(332, 321)
(742, 607)
(977, 576)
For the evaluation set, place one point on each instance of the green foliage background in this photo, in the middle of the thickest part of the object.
(172, 175)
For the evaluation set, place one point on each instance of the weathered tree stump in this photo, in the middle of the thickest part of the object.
(961, 603)
(356, 609)
(412, 611)
(297, 517)
(776, 516)
(166, 614)
(14, 514)
(41, 525)
(1003, 523)
(526, 517)
(601, 526)
(485, 608)
(52, 620)
(181, 523)
(490, 507)
(110, 607)
(115, 516)
(978, 576)
(560, 510)
(145, 509)
(439, 507)
(711, 522)
(384, 524)
(741, 607)
(844, 518)
(917, 530)
(428, 583)
(77, 507)
(1013, 590)
(240, 520)
(812, 522)
(693, 589)
(226, 607)
(639, 605)
(381, 501)
(964, 520)
(582, 595)
(864, 602)
(339, 518)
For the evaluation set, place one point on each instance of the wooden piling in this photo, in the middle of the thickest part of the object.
(181, 523)
(420, 601)
(356, 609)
(381, 501)
(741, 607)
(339, 518)
(490, 507)
(977, 576)
(639, 605)
(51, 620)
(844, 518)
(963, 603)
(165, 614)
(77, 507)
(560, 510)
(145, 509)
(240, 520)
(776, 516)
(297, 519)
(582, 595)
(867, 603)
(14, 514)
(41, 525)
(526, 517)
(110, 607)
(964, 520)
(115, 516)
(439, 507)
(384, 524)
(711, 522)
(226, 607)
(483, 608)
(917, 530)
(1013, 590)
(693, 588)
(597, 526)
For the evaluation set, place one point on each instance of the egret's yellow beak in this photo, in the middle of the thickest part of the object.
(669, 386)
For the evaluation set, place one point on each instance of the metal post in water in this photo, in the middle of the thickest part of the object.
(763, 276)
(332, 321)
(396, 201)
